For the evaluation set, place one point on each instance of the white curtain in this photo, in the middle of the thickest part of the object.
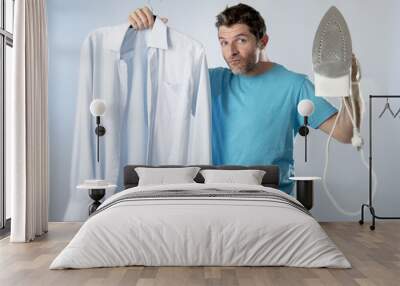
(27, 151)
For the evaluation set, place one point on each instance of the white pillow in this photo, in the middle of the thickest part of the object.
(248, 177)
(162, 176)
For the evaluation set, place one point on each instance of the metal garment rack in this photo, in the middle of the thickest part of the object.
(369, 205)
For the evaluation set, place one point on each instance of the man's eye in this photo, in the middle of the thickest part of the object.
(223, 43)
(242, 40)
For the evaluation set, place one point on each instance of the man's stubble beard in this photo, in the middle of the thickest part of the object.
(248, 66)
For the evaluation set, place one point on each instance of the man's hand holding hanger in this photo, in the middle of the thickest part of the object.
(143, 18)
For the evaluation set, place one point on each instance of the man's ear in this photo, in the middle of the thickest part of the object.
(262, 43)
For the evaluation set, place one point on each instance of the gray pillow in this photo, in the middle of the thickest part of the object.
(163, 176)
(248, 177)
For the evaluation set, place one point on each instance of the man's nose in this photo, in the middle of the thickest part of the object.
(233, 50)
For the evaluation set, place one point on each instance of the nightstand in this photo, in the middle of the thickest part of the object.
(97, 190)
(305, 190)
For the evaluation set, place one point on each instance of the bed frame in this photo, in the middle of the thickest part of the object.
(270, 179)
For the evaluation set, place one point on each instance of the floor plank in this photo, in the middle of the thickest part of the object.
(374, 255)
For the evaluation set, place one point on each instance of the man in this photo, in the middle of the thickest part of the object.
(254, 102)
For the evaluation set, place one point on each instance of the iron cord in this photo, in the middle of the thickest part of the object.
(352, 116)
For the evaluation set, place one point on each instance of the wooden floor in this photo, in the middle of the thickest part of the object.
(375, 257)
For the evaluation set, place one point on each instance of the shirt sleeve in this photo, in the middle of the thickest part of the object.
(82, 139)
(199, 150)
(322, 108)
(216, 79)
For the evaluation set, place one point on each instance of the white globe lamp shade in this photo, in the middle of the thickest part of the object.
(98, 107)
(305, 107)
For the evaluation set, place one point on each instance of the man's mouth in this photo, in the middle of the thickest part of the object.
(234, 62)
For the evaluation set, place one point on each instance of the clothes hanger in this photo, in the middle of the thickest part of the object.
(387, 107)
(397, 113)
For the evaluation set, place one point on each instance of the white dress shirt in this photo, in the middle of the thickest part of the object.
(158, 108)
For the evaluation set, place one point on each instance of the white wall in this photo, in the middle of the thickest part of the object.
(291, 26)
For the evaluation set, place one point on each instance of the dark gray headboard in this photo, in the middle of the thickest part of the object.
(271, 177)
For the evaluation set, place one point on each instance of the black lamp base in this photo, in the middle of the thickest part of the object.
(303, 130)
(96, 195)
(305, 193)
(100, 130)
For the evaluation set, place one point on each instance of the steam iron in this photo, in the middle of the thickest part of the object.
(332, 56)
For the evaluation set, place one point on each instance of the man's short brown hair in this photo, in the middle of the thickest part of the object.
(243, 14)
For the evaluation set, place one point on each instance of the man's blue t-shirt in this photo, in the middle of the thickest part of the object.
(255, 118)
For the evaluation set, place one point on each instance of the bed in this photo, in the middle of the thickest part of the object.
(201, 224)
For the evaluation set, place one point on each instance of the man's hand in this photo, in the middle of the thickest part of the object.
(358, 100)
(344, 130)
(142, 18)
(355, 69)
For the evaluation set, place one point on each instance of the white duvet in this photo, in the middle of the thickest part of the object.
(200, 231)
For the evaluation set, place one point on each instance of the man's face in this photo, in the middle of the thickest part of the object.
(239, 48)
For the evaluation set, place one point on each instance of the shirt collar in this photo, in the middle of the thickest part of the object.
(155, 38)
(158, 35)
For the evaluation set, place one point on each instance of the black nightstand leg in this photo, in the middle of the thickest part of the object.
(96, 195)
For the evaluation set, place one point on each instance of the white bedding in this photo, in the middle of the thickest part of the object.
(200, 231)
